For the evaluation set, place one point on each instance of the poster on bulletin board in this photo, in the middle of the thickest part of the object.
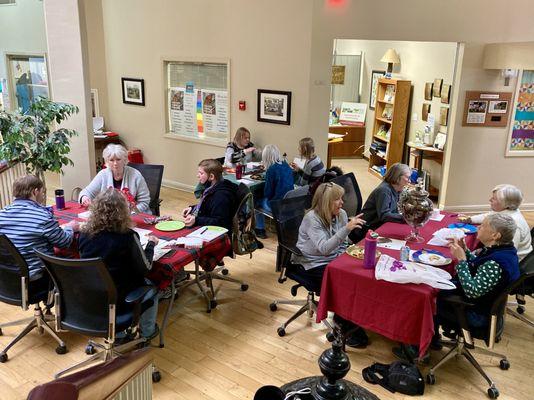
(487, 108)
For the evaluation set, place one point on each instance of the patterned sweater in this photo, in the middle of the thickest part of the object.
(313, 170)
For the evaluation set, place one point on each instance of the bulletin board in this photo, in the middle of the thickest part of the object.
(490, 109)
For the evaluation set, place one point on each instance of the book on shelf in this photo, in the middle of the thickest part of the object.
(387, 113)
(382, 131)
(389, 94)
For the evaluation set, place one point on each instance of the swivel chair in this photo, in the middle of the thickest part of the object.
(490, 334)
(86, 302)
(17, 289)
(288, 215)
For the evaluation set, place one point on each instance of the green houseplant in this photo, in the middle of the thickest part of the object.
(31, 139)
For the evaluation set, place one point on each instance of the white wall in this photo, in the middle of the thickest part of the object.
(268, 44)
(22, 30)
(475, 22)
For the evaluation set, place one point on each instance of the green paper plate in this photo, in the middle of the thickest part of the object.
(169, 226)
(216, 228)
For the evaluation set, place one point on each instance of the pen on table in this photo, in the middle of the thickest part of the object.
(204, 230)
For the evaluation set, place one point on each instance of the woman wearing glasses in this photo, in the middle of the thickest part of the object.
(323, 236)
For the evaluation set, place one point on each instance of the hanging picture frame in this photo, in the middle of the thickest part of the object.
(274, 106)
(436, 90)
(428, 90)
(520, 141)
(133, 91)
(375, 76)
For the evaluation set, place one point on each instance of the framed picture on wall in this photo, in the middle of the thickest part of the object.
(133, 91)
(425, 111)
(274, 106)
(375, 76)
(445, 94)
(443, 116)
(436, 91)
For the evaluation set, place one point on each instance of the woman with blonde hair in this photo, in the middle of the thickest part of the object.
(313, 168)
(278, 181)
(119, 176)
(241, 149)
(506, 199)
(323, 236)
(108, 234)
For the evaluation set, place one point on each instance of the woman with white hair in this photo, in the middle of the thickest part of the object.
(118, 175)
(278, 181)
(506, 199)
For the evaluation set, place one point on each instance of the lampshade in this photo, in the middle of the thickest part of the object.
(391, 56)
(516, 55)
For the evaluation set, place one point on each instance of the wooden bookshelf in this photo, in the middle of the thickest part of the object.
(391, 115)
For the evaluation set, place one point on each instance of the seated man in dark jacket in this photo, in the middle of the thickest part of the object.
(217, 204)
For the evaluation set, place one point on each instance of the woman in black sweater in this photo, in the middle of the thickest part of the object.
(108, 235)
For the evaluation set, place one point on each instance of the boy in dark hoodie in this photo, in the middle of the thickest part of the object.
(218, 202)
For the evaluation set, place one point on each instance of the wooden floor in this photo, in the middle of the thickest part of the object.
(231, 352)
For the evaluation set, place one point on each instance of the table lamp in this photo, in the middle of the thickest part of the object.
(391, 57)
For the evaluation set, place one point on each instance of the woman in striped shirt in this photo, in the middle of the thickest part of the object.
(313, 167)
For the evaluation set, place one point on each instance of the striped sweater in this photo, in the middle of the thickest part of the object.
(30, 225)
(313, 170)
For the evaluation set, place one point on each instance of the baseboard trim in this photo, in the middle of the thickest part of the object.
(483, 208)
(177, 185)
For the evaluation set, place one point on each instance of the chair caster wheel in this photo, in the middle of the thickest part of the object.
(430, 379)
(161, 346)
(224, 271)
(282, 280)
(273, 307)
(244, 287)
(493, 393)
(156, 376)
(90, 349)
(504, 364)
(281, 332)
(330, 337)
(61, 349)
(3, 358)
(213, 304)
(520, 310)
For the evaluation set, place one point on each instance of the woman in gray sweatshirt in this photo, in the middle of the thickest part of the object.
(323, 236)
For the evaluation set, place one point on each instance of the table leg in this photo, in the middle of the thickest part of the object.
(167, 313)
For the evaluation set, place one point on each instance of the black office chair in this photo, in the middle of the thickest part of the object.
(221, 160)
(153, 175)
(245, 209)
(288, 215)
(352, 199)
(526, 289)
(86, 302)
(16, 289)
(490, 334)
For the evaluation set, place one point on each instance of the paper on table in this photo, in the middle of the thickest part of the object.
(143, 235)
(441, 237)
(246, 181)
(84, 215)
(161, 249)
(189, 243)
(392, 244)
(206, 234)
(253, 165)
(300, 162)
(438, 217)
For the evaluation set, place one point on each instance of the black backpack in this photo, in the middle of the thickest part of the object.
(399, 376)
(243, 236)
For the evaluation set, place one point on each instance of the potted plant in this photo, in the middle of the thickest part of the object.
(31, 139)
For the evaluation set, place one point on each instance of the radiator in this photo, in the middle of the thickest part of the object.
(138, 388)
(7, 177)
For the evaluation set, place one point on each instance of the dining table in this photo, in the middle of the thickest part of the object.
(401, 312)
(165, 269)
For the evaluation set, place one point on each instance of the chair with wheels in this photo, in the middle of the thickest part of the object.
(153, 175)
(526, 289)
(352, 199)
(17, 289)
(491, 334)
(86, 302)
(288, 214)
(221, 160)
(243, 223)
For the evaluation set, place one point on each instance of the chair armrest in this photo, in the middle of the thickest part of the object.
(291, 249)
(135, 296)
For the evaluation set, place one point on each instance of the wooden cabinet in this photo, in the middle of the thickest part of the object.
(389, 125)
(353, 141)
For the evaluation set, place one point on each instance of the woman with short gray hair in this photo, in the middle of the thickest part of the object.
(118, 175)
(506, 199)
(381, 205)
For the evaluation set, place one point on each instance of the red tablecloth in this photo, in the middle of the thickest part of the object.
(402, 312)
(164, 269)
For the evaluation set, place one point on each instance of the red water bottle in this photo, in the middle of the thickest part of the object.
(369, 250)
(238, 171)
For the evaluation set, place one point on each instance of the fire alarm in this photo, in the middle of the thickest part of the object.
(242, 105)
